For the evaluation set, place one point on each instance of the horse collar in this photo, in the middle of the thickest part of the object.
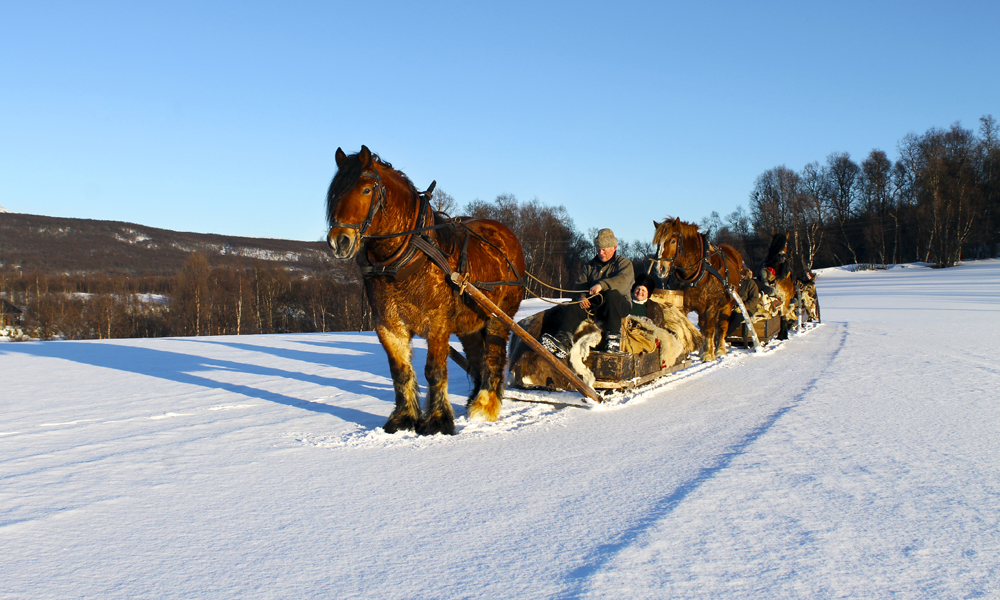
(694, 279)
(405, 260)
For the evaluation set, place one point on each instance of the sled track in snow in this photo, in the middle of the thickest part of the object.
(605, 553)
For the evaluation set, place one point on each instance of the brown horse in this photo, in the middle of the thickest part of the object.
(376, 215)
(706, 273)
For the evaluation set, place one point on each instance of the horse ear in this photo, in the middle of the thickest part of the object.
(656, 225)
(341, 157)
(365, 156)
(677, 222)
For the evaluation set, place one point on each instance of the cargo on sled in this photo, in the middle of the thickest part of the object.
(649, 351)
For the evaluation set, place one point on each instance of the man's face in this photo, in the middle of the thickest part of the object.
(605, 254)
(640, 293)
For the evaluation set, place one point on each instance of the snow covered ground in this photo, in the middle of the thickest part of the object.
(858, 460)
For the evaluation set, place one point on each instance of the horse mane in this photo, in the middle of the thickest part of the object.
(347, 177)
(686, 229)
(778, 243)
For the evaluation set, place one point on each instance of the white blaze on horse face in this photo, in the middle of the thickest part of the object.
(663, 264)
(661, 271)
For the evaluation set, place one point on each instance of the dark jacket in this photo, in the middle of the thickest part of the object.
(750, 294)
(616, 274)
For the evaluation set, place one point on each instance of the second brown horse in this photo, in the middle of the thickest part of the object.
(686, 260)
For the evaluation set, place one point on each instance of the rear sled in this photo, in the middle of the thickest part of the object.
(766, 329)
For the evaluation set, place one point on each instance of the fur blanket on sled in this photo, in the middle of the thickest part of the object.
(676, 337)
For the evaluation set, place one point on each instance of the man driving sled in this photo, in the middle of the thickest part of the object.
(606, 281)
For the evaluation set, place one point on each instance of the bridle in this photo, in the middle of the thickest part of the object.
(671, 262)
(376, 203)
(672, 269)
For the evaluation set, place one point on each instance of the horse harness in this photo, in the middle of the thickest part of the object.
(704, 268)
(419, 246)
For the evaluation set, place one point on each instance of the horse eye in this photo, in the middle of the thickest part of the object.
(367, 190)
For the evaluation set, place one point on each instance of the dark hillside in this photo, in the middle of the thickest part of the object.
(56, 245)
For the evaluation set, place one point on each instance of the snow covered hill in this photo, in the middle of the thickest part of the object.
(56, 245)
(856, 460)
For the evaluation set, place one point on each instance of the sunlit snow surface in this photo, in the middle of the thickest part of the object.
(858, 460)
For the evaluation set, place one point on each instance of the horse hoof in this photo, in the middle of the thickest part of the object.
(400, 423)
(485, 407)
(432, 425)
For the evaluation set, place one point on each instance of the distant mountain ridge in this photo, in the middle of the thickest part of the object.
(59, 245)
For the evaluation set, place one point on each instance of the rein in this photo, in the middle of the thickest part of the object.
(418, 246)
(699, 273)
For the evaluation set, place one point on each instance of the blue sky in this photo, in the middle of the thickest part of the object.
(224, 117)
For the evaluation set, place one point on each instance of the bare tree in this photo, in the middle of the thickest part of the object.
(773, 200)
(192, 304)
(945, 165)
(442, 201)
(842, 175)
(553, 250)
(875, 195)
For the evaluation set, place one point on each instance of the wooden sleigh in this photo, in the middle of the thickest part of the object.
(766, 329)
(603, 371)
(613, 371)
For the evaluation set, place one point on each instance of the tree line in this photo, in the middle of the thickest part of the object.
(256, 297)
(937, 203)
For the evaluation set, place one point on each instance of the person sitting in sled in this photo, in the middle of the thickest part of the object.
(750, 294)
(605, 282)
(642, 306)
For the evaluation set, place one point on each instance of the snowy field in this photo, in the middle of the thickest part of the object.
(860, 459)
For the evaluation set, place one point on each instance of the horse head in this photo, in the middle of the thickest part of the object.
(667, 240)
(356, 194)
(777, 251)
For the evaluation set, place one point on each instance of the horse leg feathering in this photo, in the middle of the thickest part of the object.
(406, 415)
(438, 417)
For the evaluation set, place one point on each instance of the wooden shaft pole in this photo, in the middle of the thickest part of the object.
(459, 359)
(534, 344)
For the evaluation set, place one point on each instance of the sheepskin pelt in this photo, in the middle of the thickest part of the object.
(537, 370)
(675, 343)
(587, 336)
(681, 329)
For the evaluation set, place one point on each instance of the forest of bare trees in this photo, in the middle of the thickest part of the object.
(256, 297)
(937, 203)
